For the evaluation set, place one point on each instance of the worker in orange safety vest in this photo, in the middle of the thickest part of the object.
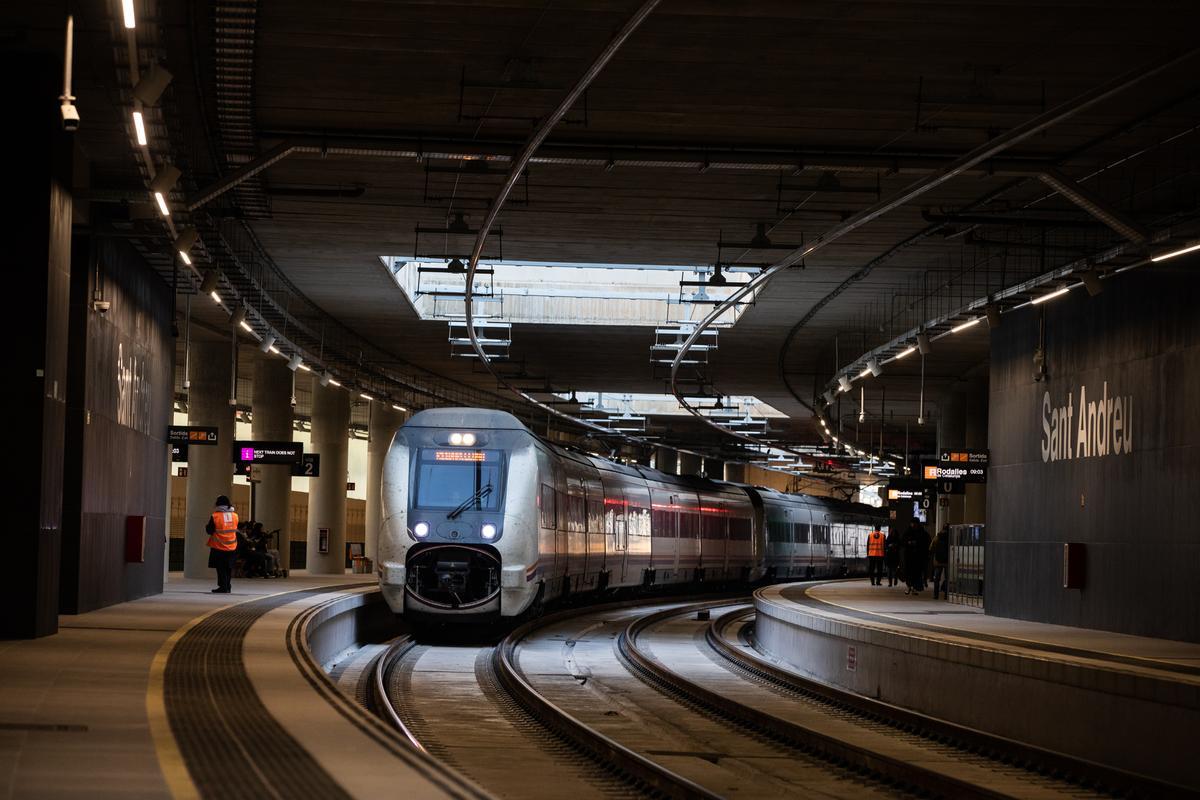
(222, 531)
(875, 541)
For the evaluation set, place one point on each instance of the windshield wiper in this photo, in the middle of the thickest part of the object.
(479, 495)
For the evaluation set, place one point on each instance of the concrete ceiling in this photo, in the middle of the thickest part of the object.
(686, 138)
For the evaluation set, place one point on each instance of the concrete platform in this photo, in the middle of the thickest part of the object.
(91, 711)
(1131, 702)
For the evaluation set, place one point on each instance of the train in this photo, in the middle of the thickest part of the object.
(482, 520)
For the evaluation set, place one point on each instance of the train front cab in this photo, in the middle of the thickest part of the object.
(452, 544)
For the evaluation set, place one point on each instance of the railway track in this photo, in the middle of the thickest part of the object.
(614, 701)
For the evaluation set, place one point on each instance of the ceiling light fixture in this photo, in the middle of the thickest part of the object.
(274, 349)
(1186, 249)
(238, 316)
(162, 185)
(208, 284)
(139, 128)
(1051, 296)
(873, 367)
(968, 324)
(246, 326)
(843, 383)
(184, 243)
(294, 362)
(306, 367)
(365, 396)
(151, 86)
(326, 378)
(1091, 282)
(267, 343)
(333, 382)
(399, 408)
(923, 343)
(904, 353)
(127, 8)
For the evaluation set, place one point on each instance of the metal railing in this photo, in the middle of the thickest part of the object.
(965, 580)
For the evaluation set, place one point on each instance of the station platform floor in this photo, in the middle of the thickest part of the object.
(1120, 700)
(82, 712)
(889, 608)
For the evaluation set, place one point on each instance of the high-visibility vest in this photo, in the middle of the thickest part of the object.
(225, 535)
(875, 544)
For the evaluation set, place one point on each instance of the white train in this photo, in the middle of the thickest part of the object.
(483, 519)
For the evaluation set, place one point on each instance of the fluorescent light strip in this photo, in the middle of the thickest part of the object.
(904, 353)
(246, 327)
(866, 373)
(273, 349)
(365, 396)
(216, 297)
(399, 408)
(127, 8)
(305, 367)
(186, 258)
(1051, 296)
(969, 323)
(162, 204)
(332, 382)
(1173, 253)
(139, 127)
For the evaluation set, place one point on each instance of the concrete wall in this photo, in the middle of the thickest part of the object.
(1128, 492)
(119, 406)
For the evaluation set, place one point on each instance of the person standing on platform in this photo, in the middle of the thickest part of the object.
(222, 531)
(875, 548)
(939, 549)
(916, 548)
(891, 556)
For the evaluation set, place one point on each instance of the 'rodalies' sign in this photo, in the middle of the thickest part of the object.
(1090, 429)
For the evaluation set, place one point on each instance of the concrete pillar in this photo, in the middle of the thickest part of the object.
(271, 403)
(210, 469)
(975, 501)
(327, 493)
(666, 460)
(385, 420)
(962, 423)
(735, 473)
(690, 464)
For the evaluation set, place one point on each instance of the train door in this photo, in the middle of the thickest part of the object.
(616, 537)
(690, 546)
(638, 540)
(576, 531)
(595, 564)
(802, 541)
(663, 523)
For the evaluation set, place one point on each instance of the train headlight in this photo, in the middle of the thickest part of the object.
(456, 438)
(421, 530)
(468, 439)
(488, 531)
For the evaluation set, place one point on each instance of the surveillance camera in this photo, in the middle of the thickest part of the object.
(70, 117)
(102, 306)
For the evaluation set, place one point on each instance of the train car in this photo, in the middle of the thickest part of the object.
(482, 519)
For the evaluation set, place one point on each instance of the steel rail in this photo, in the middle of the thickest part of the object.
(915, 190)
(1088, 774)
(601, 748)
(882, 766)
(379, 699)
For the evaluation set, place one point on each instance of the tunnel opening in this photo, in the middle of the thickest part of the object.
(454, 576)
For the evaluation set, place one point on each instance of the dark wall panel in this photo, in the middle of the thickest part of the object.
(1128, 491)
(121, 404)
(37, 256)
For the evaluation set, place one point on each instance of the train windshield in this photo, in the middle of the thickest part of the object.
(456, 478)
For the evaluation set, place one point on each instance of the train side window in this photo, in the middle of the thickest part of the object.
(712, 526)
(546, 510)
(800, 532)
(739, 529)
(779, 531)
(689, 525)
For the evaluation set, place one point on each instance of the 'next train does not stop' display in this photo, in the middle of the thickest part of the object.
(483, 519)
